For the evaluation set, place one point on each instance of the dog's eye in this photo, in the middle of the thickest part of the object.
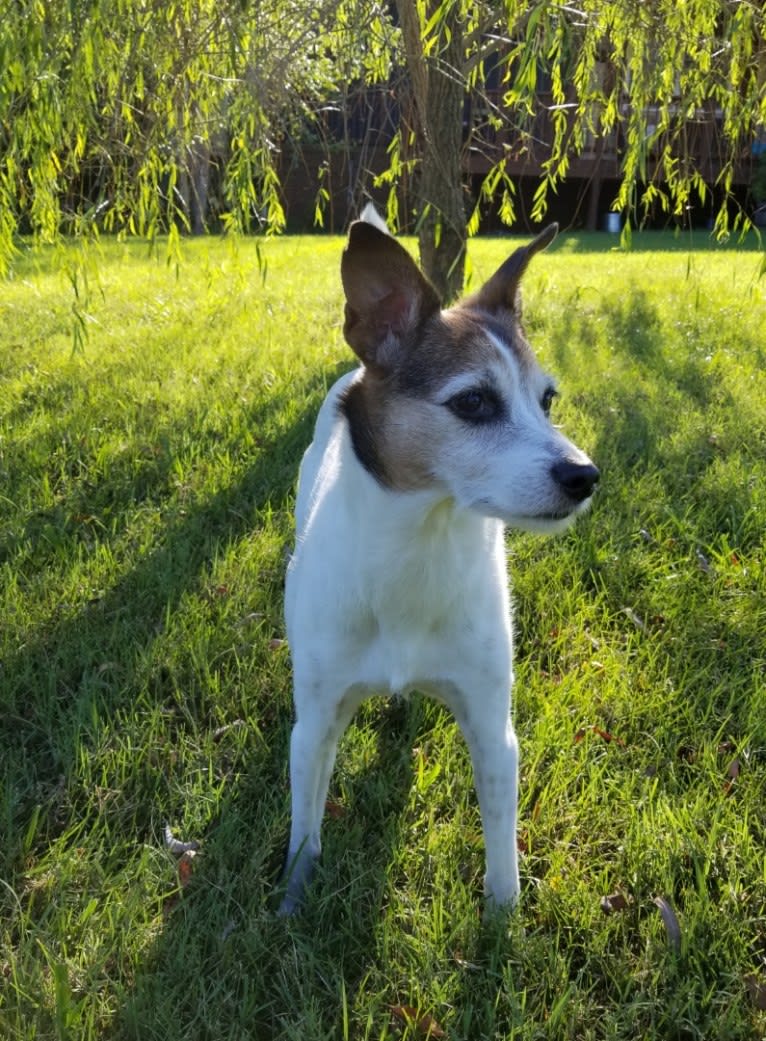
(547, 400)
(475, 405)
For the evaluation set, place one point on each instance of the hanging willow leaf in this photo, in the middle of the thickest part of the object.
(119, 116)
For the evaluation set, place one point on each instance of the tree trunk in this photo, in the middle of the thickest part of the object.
(199, 175)
(437, 84)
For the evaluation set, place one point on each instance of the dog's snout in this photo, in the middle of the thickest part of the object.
(576, 479)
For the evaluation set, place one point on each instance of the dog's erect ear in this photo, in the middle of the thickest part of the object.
(387, 296)
(501, 292)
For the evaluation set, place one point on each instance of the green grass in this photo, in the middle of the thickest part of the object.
(146, 481)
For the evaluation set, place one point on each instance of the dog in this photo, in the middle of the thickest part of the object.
(421, 457)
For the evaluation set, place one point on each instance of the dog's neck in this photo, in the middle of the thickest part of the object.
(364, 420)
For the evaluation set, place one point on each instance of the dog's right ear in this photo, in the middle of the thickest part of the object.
(387, 296)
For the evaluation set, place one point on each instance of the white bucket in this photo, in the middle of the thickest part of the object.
(613, 223)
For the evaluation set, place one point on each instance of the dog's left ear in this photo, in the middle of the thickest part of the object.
(501, 292)
(387, 296)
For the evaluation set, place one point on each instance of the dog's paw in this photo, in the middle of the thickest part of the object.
(289, 906)
(495, 909)
(298, 874)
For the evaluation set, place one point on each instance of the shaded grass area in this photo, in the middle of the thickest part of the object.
(145, 511)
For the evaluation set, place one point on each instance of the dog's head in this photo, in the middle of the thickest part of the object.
(455, 399)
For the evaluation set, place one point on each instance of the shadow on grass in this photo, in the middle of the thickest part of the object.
(226, 966)
(86, 666)
(83, 665)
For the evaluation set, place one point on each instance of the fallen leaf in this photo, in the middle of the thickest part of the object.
(247, 619)
(461, 962)
(703, 562)
(756, 988)
(670, 920)
(186, 869)
(614, 902)
(175, 846)
(426, 1026)
(733, 772)
(220, 731)
(635, 619)
(335, 810)
(606, 736)
(603, 734)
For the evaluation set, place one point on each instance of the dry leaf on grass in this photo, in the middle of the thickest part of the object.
(703, 562)
(733, 772)
(175, 846)
(425, 1025)
(603, 734)
(636, 619)
(186, 869)
(219, 732)
(614, 902)
(185, 874)
(335, 810)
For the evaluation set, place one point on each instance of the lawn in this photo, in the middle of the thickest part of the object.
(152, 418)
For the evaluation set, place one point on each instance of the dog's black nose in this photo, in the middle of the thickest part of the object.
(576, 479)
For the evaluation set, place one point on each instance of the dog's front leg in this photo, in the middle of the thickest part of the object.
(312, 753)
(313, 746)
(494, 754)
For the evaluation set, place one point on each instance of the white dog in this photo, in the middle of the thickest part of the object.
(398, 581)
